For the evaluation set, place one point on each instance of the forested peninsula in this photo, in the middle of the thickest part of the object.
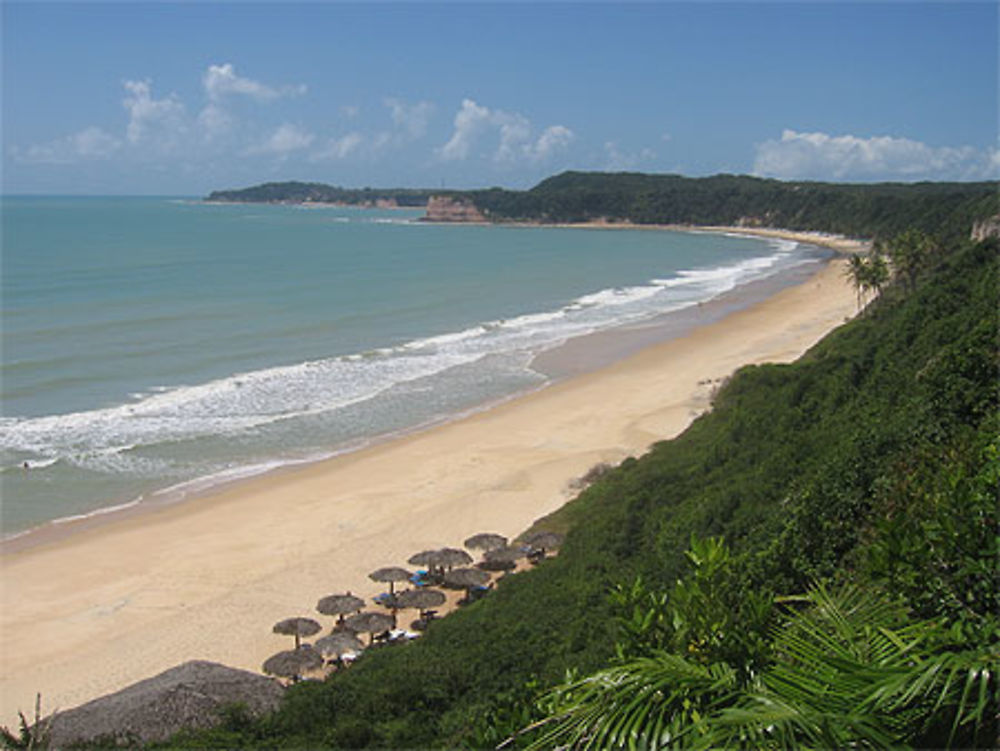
(868, 209)
(813, 563)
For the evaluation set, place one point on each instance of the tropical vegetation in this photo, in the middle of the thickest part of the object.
(814, 563)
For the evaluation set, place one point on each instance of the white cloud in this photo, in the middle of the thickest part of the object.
(340, 148)
(410, 119)
(554, 138)
(513, 131)
(285, 139)
(470, 121)
(221, 80)
(214, 120)
(820, 156)
(350, 111)
(89, 143)
(617, 160)
(158, 120)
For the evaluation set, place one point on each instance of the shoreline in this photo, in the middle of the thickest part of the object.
(614, 344)
(126, 598)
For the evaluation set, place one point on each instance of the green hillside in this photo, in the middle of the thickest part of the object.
(870, 464)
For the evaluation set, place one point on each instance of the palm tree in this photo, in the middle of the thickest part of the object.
(850, 669)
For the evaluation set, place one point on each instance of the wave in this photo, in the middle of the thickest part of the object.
(120, 438)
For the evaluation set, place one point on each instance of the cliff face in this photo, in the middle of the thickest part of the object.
(447, 209)
(989, 227)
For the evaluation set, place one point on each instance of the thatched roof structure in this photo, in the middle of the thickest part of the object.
(187, 696)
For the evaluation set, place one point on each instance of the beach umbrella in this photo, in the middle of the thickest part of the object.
(421, 599)
(453, 557)
(293, 662)
(427, 558)
(512, 554)
(497, 565)
(544, 540)
(340, 605)
(486, 541)
(297, 627)
(370, 622)
(338, 644)
(391, 574)
(465, 578)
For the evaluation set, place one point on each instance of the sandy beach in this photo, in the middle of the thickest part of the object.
(119, 601)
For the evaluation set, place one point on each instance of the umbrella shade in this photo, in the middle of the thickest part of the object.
(498, 565)
(391, 574)
(293, 662)
(370, 621)
(486, 541)
(453, 557)
(296, 627)
(425, 558)
(505, 554)
(340, 604)
(420, 599)
(465, 578)
(544, 540)
(339, 643)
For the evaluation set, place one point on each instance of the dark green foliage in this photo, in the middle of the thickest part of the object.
(296, 192)
(883, 209)
(871, 461)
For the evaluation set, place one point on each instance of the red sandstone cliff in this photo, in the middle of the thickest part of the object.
(448, 209)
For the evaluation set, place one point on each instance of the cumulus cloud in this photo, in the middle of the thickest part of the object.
(340, 148)
(470, 121)
(513, 131)
(410, 119)
(89, 143)
(618, 160)
(285, 139)
(820, 156)
(222, 80)
(161, 120)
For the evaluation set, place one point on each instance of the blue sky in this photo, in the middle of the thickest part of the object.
(182, 98)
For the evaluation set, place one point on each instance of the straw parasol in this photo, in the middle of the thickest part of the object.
(370, 622)
(499, 564)
(293, 662)
(340, 605)
(453, 557)
(338, 644)
(297, 627)
(421, 599)
(486, 541)
(544, 540)
(465, 578)
(424, 558)
(391, 574)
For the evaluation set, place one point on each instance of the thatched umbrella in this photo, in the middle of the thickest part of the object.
(465, 578)
(421, 599)
(391, 574)
(511, 554)
(340, 605)
(453, 557)
(370, 622)
(427, 558)
(293, 662)
(499, 564)
(297, 627)
(544, 540)
(486, 541)
(338, 644)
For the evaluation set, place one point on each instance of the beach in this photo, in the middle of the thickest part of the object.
(121, 599)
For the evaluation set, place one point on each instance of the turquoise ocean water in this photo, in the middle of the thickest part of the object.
(154, 347)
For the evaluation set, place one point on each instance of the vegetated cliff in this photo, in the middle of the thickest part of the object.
(453, 209)
(870, 209)
(986, 228)
(319, 193)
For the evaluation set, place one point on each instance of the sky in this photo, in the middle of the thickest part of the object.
(183, 98)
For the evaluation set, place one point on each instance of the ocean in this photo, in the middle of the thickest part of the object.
(155, 347)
